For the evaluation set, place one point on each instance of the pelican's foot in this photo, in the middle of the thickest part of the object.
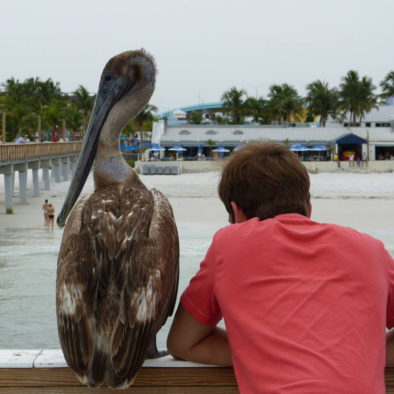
(153, 352)
(158, 354)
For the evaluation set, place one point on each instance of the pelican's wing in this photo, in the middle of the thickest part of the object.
(153, 278)
(164, 234)
(73, 312)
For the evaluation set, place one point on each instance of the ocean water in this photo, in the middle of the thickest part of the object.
(28, 259)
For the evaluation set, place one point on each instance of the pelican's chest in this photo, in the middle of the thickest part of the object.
(117, 215)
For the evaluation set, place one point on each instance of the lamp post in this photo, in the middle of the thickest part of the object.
(256, 88)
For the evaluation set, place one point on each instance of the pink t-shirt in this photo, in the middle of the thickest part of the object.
(305, 305)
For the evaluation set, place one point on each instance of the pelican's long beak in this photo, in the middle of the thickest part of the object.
(112, 88)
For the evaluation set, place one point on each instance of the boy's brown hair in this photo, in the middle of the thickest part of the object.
(265, 180)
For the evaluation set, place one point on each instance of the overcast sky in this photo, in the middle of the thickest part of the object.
(202, 47)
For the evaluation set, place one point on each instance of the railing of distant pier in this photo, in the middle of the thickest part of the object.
(19, 152)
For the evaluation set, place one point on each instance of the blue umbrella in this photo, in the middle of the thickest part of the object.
(319, 147)
(157, 147)
(221, 149)
(298, 148)
(177, 148)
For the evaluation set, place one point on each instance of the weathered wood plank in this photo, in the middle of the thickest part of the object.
(64, 377)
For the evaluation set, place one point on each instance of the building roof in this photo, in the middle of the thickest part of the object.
(350, 138)
(232, 135)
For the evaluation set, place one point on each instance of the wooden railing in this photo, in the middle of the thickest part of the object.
(18, 152)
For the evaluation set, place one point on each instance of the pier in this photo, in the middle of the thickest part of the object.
(59, 158)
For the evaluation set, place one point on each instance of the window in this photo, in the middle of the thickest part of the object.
(184, 132)
(238, 132)
(210, 132)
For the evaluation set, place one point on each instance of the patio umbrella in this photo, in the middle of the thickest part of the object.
(319, 147)
(298, 148)
(157, 147)
(177, 149)
(221, 149)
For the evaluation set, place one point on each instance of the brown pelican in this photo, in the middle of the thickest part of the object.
(117, 273)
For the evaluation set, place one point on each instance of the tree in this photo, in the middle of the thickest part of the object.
(233, 104)
(254, 107)
(24, 102)
(387, 85)
(284, 102)
(195, 118)
(321, 100)
(83, 102)
(356, 96)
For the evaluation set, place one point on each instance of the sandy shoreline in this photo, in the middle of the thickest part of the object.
(357, 200)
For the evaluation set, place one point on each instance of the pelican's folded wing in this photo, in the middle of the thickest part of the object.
(73, 312)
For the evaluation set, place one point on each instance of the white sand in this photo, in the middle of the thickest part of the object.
(358, 200)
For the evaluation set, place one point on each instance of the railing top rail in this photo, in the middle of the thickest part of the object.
(16, 152)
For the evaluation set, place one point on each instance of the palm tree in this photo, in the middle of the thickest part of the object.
(254, 107)
(233, 104)
(321, 100)
(356, 96)
(387, 85)
(84, 103)
(284, 102)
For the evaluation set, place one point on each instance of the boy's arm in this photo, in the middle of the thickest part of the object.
(191, 340)
(390, 348)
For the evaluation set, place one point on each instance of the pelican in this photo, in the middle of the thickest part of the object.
(117, 272)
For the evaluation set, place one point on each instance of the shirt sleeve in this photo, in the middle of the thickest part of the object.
(390, 301)
(199, 297)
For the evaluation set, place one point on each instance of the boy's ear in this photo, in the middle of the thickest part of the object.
(239, 215)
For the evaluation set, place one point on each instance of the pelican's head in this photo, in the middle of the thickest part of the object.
(126, 85)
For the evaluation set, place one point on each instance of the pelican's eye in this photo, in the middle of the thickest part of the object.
(107, 77)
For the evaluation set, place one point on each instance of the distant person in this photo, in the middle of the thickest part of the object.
(51, 215)
(1, 140)
(20, 140)
(54, 138)
(351, 160)
(45, 207)
(26, 138)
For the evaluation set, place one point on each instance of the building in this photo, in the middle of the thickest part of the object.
(376, 142)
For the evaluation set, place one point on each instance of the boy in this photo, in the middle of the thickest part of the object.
(305, 304)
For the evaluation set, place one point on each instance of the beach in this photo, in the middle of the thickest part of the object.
(358, 200)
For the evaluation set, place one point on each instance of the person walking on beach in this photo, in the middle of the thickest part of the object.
(305, 304)
(51, 215)
(45, 210)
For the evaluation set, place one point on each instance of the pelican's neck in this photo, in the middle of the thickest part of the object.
(110, 166)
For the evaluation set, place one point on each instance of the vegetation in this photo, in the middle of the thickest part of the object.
(37, 107)
(321, 101)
